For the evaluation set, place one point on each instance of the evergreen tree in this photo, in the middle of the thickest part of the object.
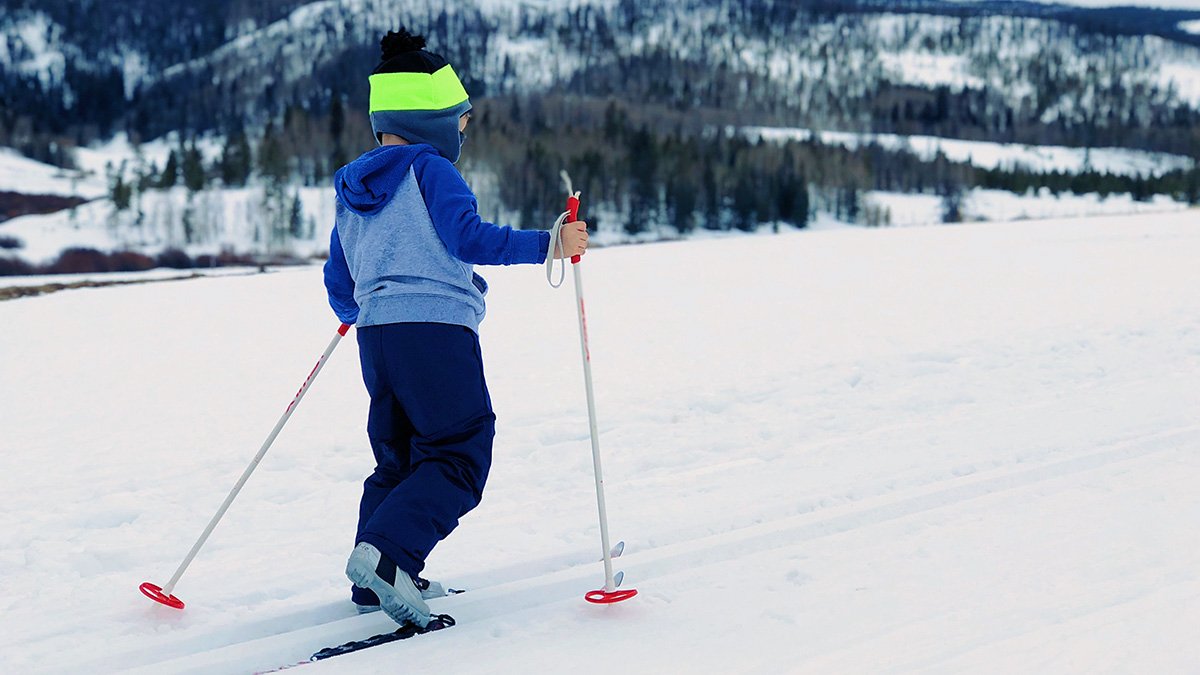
(643, 181)
(712, 198)
(193, 168)
(272, 157)
(849, 203)
(296, 217)
(337, 127)
(120, 192)
(682, 200)
(235, 160)
(745, 203)
(792, 199)
(170, 172)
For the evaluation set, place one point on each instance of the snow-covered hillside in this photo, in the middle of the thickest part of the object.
(1157, 4)
(988, 155)
(247, 220)
(936, 450)
(28, 176)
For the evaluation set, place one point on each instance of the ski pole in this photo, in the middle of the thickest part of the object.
(163, 594)
(609, 594)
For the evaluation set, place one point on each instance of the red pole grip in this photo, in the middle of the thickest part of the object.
(573, 209)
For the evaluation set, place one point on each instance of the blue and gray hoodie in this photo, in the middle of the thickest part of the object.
(407, 234)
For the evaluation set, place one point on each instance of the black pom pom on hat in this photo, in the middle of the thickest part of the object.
(399, 42)
(404, 52)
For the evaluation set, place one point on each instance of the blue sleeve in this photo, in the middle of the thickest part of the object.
(455, 215)
(338, 282)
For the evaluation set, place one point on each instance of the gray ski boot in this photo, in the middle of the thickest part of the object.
(398, 596)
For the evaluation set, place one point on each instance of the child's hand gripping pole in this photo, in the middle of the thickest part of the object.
(609, 594)
(572, 210)
(557, 249)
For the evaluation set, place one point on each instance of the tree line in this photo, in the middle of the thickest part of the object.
(648, 167)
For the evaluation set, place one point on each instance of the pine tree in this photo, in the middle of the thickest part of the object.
(682, 200)
(643, 181)
(193, 169)
(712, 198)
(120, 192)
(296, 216)
(744, 203)
(235, 160)
(272, 159)
(170, 172)
(792, 199)
(849, 203)
(337, 127)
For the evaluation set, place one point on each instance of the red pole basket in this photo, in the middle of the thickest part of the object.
(602, 597)
(155, 593)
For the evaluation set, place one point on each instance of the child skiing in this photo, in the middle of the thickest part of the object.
(400, 267)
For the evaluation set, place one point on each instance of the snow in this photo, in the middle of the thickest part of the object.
(157, 274)
(1184, 77)
(929, 69)
(30, 46)
(999, 205)
(19, 173)
(1160, 4)
(1190, 27)
(991, 155)
(100, 156)
(22, 174)
(233, 219)
(950, 449)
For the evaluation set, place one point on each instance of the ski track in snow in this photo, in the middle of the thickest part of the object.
(483, 605)
(921, 450)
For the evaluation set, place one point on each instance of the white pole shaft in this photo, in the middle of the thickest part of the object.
(609, 584)
(212, 524)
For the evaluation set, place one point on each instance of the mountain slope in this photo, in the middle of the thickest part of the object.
(1033, 73)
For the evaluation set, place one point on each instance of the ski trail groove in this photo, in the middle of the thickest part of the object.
(567, 584)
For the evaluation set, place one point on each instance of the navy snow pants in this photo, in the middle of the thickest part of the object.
(431, 427)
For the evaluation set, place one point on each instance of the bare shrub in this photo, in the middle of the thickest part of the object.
(130, 261)
(79, 261)
(15, 267)
(175, 259)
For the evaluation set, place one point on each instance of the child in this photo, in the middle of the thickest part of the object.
(400, 267)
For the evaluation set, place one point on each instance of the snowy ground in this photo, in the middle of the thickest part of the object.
(937, 450)
(157, 274)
